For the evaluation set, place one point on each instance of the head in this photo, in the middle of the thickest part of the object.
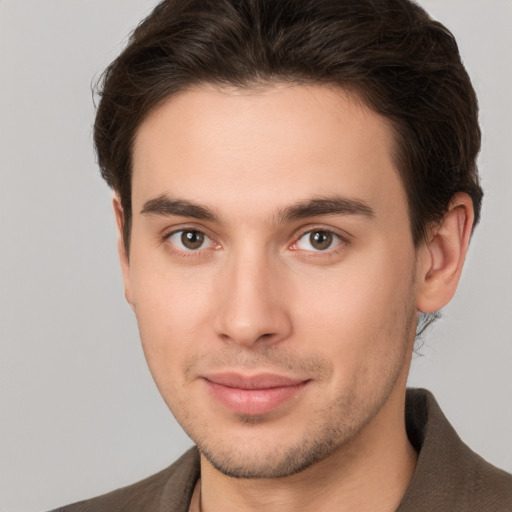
(289, 177)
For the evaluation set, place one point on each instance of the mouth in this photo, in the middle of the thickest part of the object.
(255, 394)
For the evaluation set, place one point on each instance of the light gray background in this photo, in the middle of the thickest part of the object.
(79, 413)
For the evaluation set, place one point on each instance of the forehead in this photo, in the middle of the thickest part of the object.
(271, 146)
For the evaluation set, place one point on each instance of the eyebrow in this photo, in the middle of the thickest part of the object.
(165, 206)
(332, 205)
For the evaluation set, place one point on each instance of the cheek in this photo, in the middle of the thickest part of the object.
(351, 299)
(358, 314)
(172, 311)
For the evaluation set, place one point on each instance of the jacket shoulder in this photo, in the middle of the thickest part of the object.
(169, 489)
(449, 475)
(492, 485)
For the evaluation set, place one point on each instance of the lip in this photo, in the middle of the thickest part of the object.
(254, 394)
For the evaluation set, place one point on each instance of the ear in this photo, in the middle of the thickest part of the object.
(123, 257)
(440, 260)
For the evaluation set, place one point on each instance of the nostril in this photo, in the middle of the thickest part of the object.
(266, 336)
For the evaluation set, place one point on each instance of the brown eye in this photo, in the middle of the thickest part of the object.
(320, 240)
(192, 239)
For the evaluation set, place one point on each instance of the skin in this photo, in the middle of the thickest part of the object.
(258, 295)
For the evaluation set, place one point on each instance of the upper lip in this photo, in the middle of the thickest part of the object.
(259, 381)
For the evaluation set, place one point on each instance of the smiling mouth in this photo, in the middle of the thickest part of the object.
(253, 395)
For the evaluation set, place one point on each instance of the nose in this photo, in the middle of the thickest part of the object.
(252, 308)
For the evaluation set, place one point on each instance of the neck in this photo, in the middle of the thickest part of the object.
(369, 473)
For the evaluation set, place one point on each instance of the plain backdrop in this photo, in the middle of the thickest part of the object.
(79, 413)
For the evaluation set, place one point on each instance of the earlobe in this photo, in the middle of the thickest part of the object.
(441, 259)
(123, 257)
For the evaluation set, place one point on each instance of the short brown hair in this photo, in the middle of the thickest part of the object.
(402, 63)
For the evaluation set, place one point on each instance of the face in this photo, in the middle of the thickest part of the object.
(272, 271)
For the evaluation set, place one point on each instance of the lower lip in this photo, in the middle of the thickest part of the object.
(254, 401)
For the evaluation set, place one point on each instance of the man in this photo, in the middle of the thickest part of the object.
(295, 191)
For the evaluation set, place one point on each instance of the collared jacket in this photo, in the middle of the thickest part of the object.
(449, 477)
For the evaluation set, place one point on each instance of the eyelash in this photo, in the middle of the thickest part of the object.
(187, 252)
(341, 242)
(338, 241)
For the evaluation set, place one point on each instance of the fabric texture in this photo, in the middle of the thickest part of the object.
(449, 477)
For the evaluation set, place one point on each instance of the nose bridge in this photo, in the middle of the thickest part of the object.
(252, 308)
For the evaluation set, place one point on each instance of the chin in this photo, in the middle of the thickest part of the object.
(265, 465)
(275, 455)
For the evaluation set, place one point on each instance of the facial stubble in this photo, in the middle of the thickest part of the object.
(329, 431)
